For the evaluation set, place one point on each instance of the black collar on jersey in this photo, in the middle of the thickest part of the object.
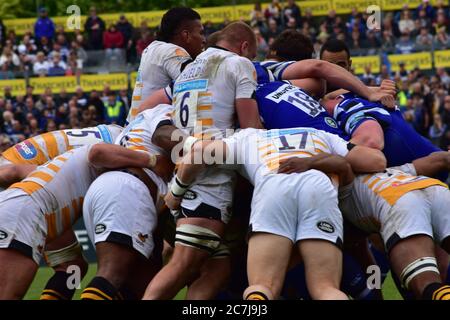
(221, 48)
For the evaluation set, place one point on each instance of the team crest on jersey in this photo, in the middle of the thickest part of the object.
(190, 195)
(331, 122)
(100, 228)
(3, 235)
(26, 150)
(325, 227)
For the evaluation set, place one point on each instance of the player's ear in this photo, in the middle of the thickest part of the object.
(244, 48)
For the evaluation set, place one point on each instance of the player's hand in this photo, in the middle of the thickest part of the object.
(294, 165)
(380, 96)
(389, 87)
(172, 202)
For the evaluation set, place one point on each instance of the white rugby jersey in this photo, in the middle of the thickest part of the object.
(138, 136)
(205, 92)
(59, 187)
(371, 196)
(161, 63)
(42, 148)
(258, 152)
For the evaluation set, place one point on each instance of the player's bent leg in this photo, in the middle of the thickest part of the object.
(16, 274)
(214, 276)
(196, 239)
(413, 261)
(115, 261)
(267, 262)
(323, 269)
(65, 256)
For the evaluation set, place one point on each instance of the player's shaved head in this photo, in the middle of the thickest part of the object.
(213, 38)
(238, 37)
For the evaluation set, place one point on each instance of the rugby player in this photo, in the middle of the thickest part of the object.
(180, 39)
(278, 223)
(46, 203)
(407, 209)
(208, 95)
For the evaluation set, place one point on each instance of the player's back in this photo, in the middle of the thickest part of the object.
(260, 151)
(402, 144)
(161, 63)
(59, 187)
(204, 94)
(42, 148)
(282, 105)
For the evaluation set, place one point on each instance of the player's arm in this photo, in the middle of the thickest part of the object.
(248, 114)
(387, 86)
(192, 164)
(13, 173)
(110, 156)
(156, 98)
(313, 86)
(327, 163)
(336, 76)
(366, 160)
(369, 134)
(432, 164)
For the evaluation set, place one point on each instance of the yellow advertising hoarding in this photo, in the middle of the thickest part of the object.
(116, 81)
(442, 59)
(421, 60)
(18, 86)
(359, 63)
(69, 83)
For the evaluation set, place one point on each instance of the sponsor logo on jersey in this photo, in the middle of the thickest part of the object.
(331, 122)
(325, 227)
(277, 95)
(3, 235)
(26, 150)
(100, 228)
(190, 195)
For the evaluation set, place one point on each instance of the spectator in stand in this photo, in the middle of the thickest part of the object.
(330, 21)
(257, 16)
(406, 24)
(41, 66)
(94, 100)
(73, 65)
(57, 66)
(125, 98)
(273, 11)
(424, 21)
(404, 45)
(2, 33)
(87, 120)
(143, 42)
(424, 41)
(114, 110)
(262, 48)
(372, 43)
(292, 10)
(94, 27)
(384, 75)
(5, 142)
(81, 98)
(44, 46)
(427, 7)
(441, 40)
(368, 78)
(10, 58)
(126, 29)
(44, 26)
(441, 21)
(57, 49)
(273, 30)
(113, 41)
(79, 52)
(437, 130)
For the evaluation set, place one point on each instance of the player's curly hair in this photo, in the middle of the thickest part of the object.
(173, 20)
(292, 45)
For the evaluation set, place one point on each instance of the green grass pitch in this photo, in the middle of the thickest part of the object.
(389, 290)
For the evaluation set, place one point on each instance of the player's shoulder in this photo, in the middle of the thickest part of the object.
(166, 49)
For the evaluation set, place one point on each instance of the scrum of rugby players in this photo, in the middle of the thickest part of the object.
(293, 204)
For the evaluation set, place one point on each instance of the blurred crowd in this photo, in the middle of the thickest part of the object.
(423, 97)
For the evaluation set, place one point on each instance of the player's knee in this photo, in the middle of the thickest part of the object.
(258, 292)
(417, 269)
(62, 259)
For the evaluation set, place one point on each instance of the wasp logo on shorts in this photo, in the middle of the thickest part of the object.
(190, 195)
(99, 228)
(26, 150)
(142, 237)
(3, 235)
(325, 227)
(331, 122)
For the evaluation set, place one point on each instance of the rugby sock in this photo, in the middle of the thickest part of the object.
(56, 288)
(100, 289)
(256, 296)
(436, 291)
